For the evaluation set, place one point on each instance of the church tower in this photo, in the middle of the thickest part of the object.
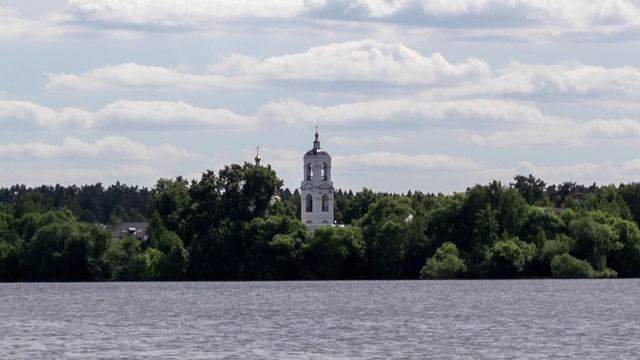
(316, 190)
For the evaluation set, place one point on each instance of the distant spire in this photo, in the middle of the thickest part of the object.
(316, 143)
(257, 158)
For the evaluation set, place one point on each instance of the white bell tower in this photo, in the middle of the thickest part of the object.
(316, 190)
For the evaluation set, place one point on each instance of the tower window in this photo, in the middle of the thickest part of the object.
(309, 203)
(325, 171)
(325, 203)
(309, 172)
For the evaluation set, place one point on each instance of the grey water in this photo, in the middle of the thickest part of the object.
(527, 319)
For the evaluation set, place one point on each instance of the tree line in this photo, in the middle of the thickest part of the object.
(239, 224)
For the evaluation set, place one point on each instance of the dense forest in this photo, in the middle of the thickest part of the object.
(239, 224)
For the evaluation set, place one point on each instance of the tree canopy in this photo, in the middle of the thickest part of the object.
(240, 224)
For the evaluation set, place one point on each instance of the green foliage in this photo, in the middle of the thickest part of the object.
(541, 224)
(530, 188)
(334, 253)
(170, 200)
(594, 241)
(507, 258)
(148, 265)
(607, 199)
(60, 250)
(239, 224)
(625, 258)
(445, 264)
(558, 246)
(631, 195)
(385, 232)
(121, 261)
(10, 256)
(566, 266)
(356, 207)
(171, 260)
(221, 206)
(273, 246)
(443, 217)
(486, 226)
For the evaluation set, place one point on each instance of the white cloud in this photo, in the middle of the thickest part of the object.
(631, 167)
(613, 128)
(573, 13)
(417, 110)
(131, 75)
(567, 80)
(481, 122)
(565, 133)
(122, 114)
(391, 66)
(356, 61)
(107, 148)
(364, 140)
(547, 18)
(140, 174)
(147, 115)
(28, 114)
(15, 26)
(465, 19)
(164, 114)
(174, 13)
(395, 161)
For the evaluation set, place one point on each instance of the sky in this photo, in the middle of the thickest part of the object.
(428, 95)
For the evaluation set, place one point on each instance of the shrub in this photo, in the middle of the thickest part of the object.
(445, 264)
(566, 266)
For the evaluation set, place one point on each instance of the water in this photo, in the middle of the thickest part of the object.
(537, 319)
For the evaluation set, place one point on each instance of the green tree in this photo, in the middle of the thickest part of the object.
(334, 253)
(445, 264)
(607, 199)
(566, 266)
(171, 200)
(485, 232)
(221, 206)
(541, 224)
(10, 256)
(385, 233)
(266, 257)
(122, 260)
(625, 259)
(530, 188)
(58, 251)
(173, 263)
(550, 248)
(630, 193)
(594, 241)
(146, 265)
(508, 257)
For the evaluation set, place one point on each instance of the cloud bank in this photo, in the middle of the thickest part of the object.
(533, 20)
(374, 66)
(123, 114)
(118, 148)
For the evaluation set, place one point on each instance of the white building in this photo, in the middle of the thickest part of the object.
(316, 190)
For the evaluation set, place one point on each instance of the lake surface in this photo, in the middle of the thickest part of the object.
(533, 319)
